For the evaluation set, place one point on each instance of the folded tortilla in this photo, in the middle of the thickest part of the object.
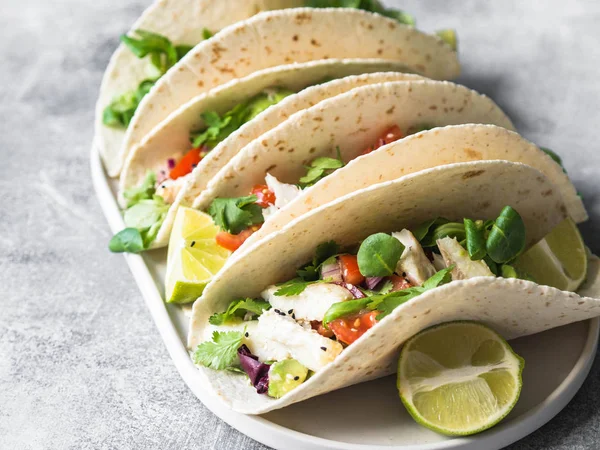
(282, 37)
(512, 307)
(181, 21)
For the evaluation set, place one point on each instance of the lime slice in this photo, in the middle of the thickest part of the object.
(558, 260)
(194, 256)
(459, 378)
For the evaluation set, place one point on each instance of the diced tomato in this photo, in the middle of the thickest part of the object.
(265, 196)
(392, 134)
(232, 242)
(399, 283)
(349, 329)
(317, 325)
(186, 164)
(350, 271)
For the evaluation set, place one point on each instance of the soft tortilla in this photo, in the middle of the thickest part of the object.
(182, 21)
(475, 189)
(281, 37)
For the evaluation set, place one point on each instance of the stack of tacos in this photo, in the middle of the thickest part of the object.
(359, 198)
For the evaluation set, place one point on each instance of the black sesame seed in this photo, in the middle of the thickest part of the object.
(281, 313)
(193, 243)
(290, 311)
(194, 165)
(163, 186)
(296, 378)
(247, 334)
(324, 349)
(404, 274)
(293, 316)
(277, 311)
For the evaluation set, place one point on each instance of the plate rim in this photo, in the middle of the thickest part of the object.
(276, 435)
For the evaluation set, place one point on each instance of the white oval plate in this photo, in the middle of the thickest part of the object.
(369, 415)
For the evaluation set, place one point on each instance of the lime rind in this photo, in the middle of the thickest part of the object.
(473, 386)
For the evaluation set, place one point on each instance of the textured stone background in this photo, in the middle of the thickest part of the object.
(81, 364)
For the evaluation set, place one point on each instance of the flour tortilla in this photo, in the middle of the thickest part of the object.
(352, 121)
(475, 189)
(182, 21)
(447, 145)
(281, 37)
(171, 138)
(172, 131)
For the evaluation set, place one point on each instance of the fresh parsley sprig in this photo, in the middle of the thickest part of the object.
(319, 168)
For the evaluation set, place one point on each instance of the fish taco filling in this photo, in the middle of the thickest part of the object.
(296, 328)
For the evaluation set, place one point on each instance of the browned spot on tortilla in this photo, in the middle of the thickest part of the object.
(563, 210)
(399, 51)
(229, 177)
(282, 148)
(547, 304)
(254, 157)
(410, 89)
(472, 174)
(217, 49)
(547, 193)
(350, 367)
(370, 372)
(391, 110)
(315, 43)
(460, 109)
(426, 312)
(392, 26)
(268, 50)
(271, 167)
(540, 179)
(263, 142)
(303, 17)
(420, 67)
(433, 107)
(336, 118)
(472, 153)
(359, 119)
(226, 69)
(524, 192)
(379, 51)
(428, 57)
(291, 150)
(312, 150)
(287, 59)
(580, 303)
(295, 37)
(318, 119)
(279, 142)
(200, 83)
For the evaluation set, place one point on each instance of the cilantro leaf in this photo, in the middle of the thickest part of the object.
(324, 251)
(239, 308)
(144, 191)
(120, 111)
(293, 287)
(163, 53)
(388, 302)
(235, 214)
(219, 128)
(221, 352)
(319, 168)
(127, 240)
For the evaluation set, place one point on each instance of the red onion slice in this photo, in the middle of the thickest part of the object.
(332, 272)
(171, 163)
(257, 372)
(372, 282)
(356, 292)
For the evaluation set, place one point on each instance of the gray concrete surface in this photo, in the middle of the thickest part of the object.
(81, 364)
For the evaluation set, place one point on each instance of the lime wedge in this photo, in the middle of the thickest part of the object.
(194, 256)
(459, 378)
(558, 260)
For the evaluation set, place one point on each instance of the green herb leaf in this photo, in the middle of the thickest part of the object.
(127, 240)
(206, 34)
(235, 214)
(449, 229)
(163, 53)
(238, 309)
(219, 128)
(346, 308)
(144, 191)
(378, 255)
(557, 159)
(221, 352)
(324, 251)
(293, 287)
(475, 235)
(507, 237)
(319, 168)
(366, 5)
(388, 302)
(120, 111)
(492, 265)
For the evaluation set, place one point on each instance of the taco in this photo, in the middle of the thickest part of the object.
(381, 113)
(327, 301)
(268, 40)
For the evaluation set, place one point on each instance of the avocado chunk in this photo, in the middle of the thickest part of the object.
(284, 376)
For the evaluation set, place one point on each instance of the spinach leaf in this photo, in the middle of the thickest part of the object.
(378, 255)
(235, 214)
(238, 309)
(475, 235)
(423, 229)
(448, 229)
(319, 168)
(507, 237)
